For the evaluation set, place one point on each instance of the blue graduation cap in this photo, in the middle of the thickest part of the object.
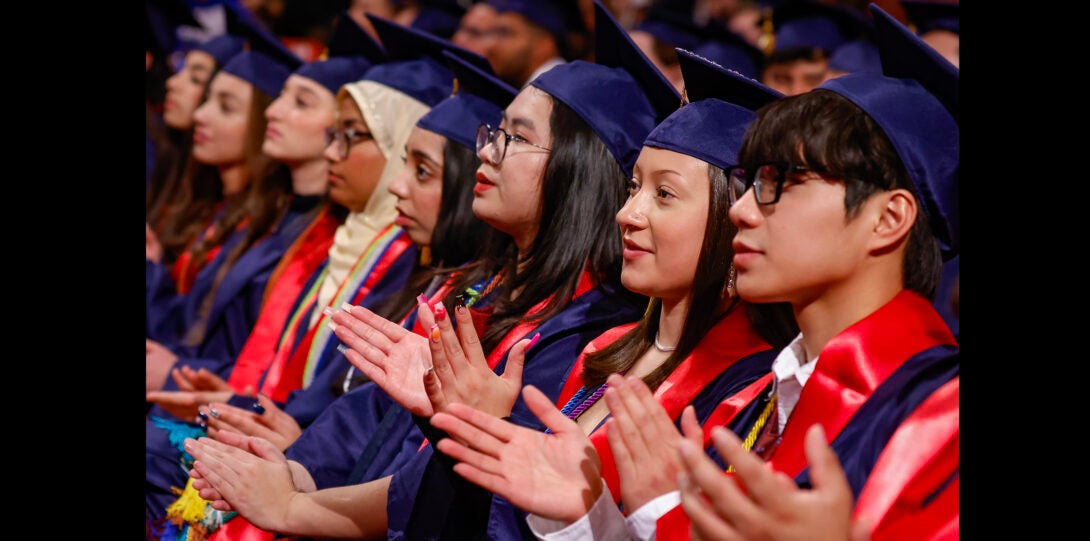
(222, 48)
(439, 17)
(558, 17)
(927, 15)
(621, 97)
(809, 23)
(672, 23)
(856, 55)
(162, 18)
(905, 102)
(479, 97)
(350, 52)
(721, 104)
(730, 50)
(705, 78)
(416, 65)
(268, 62)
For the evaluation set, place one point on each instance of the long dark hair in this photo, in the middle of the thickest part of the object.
(182, 194)
(582, 190)
(458, 236)
(262, 203)
(775, 323)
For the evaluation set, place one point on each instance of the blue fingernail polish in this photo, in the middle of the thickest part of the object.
(258, 408)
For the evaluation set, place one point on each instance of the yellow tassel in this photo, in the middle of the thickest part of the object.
(189, 507)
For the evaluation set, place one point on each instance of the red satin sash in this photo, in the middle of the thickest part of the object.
(573, 384)
(850, 367)
(285, 376)
(923, 453)
(304, 256)
(731, 339)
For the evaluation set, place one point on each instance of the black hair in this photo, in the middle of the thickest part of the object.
(458, 237)
(833, 137)
(582, 189)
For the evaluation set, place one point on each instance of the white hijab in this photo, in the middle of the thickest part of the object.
(391, 116)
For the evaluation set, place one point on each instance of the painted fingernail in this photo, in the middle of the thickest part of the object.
(258, 408)
(215, 414)
(421, 299)
(461, 300)
(346, 307)
(328, 311)
(460, 310)
(332, 326)
(202, 415)
(440, 311)
(342, 348)
(435, 333)
(537, 336)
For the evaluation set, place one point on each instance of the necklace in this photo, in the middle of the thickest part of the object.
(661, 347)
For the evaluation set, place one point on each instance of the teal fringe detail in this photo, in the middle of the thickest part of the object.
(178, 432)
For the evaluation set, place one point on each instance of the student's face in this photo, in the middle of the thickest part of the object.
(186, 88)
(510, 51)
(476, 29)
(507, 195)
(663, 223)
(795, 77)
(352, 180)
(798, 248)
(947, 43)
(297, 120)
(419, 185)
(219, 132)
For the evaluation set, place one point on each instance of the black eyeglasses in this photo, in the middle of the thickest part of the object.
(767, 182)
(344, 139)
(487, 136)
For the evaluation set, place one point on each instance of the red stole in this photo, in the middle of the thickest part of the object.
(285, 374)
(921, 455)
(731, 339)
(850, 367)
(304, 256)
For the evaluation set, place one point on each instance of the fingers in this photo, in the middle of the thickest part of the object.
(468, 343)
(484, 423)
(516, 360)
(389, 330)
(181, 378)
(546, 411)
(825, 469)
(707, 493)
(690, 427)
(434, 391)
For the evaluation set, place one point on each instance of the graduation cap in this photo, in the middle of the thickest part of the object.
(730, 50)
(439, 17)
(163, 17)
(925, 16)
(809, 23)
(672, 25)
(222, 48)
(479, 97)
(721, 104)
(705, 78)
(349, 53)
(558, 17)
(621, 97)
(268, 62)
(416, 65)
(856, 55)
(911, 101)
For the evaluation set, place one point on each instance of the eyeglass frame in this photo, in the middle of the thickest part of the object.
(782, 169)
(490, 139)
(344, 139)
